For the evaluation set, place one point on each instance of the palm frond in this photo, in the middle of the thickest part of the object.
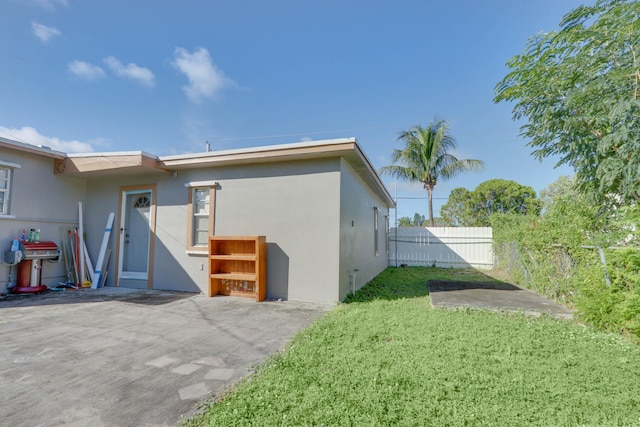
(426, 156)
(460, 166)
(401, 172)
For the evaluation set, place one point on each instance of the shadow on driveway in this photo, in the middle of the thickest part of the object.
(86, 295)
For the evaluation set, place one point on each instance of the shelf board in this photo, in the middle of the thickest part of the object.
(234, 257)
(235, 276)
(233, 238)
(242, 294)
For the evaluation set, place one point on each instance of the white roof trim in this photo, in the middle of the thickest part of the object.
(201, 184)
(39, 149)
(10, 164)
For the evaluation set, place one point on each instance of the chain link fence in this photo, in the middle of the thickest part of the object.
(552, 270)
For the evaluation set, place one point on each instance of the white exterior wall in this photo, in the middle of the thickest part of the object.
(38, 199)
(457, 247)
(357, 251)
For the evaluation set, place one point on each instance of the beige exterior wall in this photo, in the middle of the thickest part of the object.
(294, 204)
(357, 232)
(172, 268)
(38, 199)
(317, 215)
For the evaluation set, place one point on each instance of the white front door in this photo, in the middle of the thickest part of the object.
(135, 239)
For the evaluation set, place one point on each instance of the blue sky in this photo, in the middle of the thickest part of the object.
(165, 76)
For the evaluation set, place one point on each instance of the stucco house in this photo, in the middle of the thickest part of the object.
(321, 205)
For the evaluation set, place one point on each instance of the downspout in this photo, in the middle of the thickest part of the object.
(353, 281)
(395, 232)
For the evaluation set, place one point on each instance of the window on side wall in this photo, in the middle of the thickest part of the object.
(6, 170)
(200, 209)
(375, 232)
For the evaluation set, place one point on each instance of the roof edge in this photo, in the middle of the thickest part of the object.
(375, 175)
(259, 149)
(30, 148)
(113, 154)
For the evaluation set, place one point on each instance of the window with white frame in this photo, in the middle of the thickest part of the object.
(6, 170)
(201, 202)
(5, 181)
(386, 233)
(201, 214)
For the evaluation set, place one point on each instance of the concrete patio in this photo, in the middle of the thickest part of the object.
(493, 296)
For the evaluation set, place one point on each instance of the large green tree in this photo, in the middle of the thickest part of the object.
(427, 158)
(456, 212)
(473, 208)
(578, 90)
(562, 188)
(503, 196)
(417, 221)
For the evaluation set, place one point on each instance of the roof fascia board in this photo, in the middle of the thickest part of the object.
(113, 154)
(105, 164)
(30, 148)
(374, 174)
(257, 150)
(259, 154)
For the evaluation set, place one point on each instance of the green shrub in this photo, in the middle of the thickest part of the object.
(596, 302)
(555, 254)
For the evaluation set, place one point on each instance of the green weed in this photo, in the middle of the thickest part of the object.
(411, 282)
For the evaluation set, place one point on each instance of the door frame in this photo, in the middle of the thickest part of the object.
(152, 188)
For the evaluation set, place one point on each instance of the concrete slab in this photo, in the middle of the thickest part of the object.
(124, 357)
(493, 296)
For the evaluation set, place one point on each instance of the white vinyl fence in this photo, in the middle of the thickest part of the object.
(457, 247)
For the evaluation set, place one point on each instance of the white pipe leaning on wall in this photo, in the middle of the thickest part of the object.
(81, 243)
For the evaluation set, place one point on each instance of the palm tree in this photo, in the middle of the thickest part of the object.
(426, 158)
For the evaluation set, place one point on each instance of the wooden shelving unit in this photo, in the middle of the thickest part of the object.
(238, 266)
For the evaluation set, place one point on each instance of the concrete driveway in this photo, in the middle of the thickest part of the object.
(123, 357)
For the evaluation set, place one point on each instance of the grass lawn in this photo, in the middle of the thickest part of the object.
(387, 358)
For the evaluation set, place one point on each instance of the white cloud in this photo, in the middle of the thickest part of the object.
(85, 70)
(142, 75)
(31, 136)
(43, 32)
(205, 79)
